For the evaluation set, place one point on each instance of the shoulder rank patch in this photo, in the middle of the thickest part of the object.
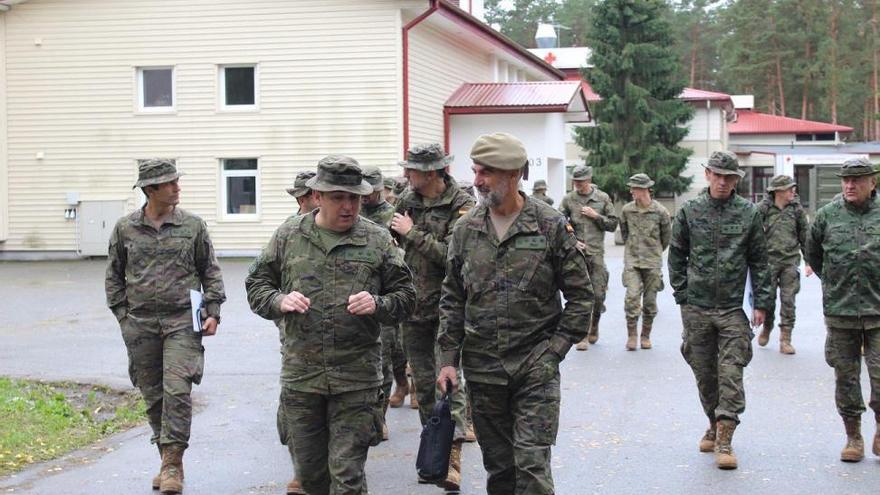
(530, 242)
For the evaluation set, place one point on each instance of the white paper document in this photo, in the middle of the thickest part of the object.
(195, 298)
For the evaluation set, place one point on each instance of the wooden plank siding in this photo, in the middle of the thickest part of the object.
(329, 82)
(439, 63)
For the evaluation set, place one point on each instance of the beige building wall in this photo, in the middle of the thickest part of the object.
(439, 63)
(707, 133)
(4, 156)
(329, 82)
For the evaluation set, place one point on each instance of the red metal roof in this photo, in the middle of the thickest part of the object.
(543, 95)
(689, 94)
(752, 122)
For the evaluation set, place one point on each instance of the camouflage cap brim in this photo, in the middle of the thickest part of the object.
(724, 171)
(640, 185)
(157, 180)
(298, 191)
(781, 188)
(857, 173)
(427, 166)
(362, 189)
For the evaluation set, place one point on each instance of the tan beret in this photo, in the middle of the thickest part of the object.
(499, 150)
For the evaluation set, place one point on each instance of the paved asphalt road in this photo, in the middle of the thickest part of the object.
(630, 420)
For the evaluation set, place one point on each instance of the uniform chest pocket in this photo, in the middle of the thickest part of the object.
(178, 247)
(529, 258)
(732, 229)
(360, 266)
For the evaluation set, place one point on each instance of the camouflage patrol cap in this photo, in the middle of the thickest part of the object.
(780, 182)
(299, 184)
(156, 171)
(724, 163)
(426, 157)
(856, 167)
(373, 175)
(389, 183)
(540, 185)
(500, 150)
(640, 181)
(340, 173)
(582, 172)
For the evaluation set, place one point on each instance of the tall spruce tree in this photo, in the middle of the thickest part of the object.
(640, 120)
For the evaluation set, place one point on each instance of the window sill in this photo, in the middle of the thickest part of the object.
(239, 109)
(241, 218)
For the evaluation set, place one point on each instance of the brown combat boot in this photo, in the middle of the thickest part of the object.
(593, 336)
(171, 476)
(765, 334)
(452, 483)
(876, 447)
(157, 480)
(632, 333)
(854, 451)
(645, 337)
(724, 456)
(583, 345)
(470, 435)
(785, 346)
(401, 390)
(707, 443)
(295, 487)
(413, 397)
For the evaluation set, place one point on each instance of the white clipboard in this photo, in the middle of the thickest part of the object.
(195, 299)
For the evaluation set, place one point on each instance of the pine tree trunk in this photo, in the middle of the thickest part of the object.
(835, 16)
(873, 118)
(695, 43)
(806, 93)
(778, 61)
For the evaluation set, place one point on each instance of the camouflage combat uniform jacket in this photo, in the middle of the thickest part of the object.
(785, 230)
(715, 243)
(151, 272)
(500, 308)
(646, 233)
(425, 245)
(544, 198)
(843, 249)
(589, 231)
(327, 349)
(381, 213)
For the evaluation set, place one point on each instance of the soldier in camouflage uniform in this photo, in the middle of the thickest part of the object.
(591, 213)
(843, 248)
(426, 212)
(502, 317)
(539, 192)
(302, 193)
(717, 239)
(376, 209)
(646, 228)
(785, 226)
(307, 203)
(332, 278)
(157, 255)
(388, 191)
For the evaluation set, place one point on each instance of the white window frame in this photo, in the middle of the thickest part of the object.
(224, 174)
(221, 89)
(139, 76)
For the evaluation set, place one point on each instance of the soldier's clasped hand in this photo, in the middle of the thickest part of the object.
(447, 373)
(295, 302)
(209, 327)
(362, 303)
(590, 212)
(402, 224)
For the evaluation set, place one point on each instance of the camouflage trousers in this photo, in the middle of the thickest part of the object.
(389, 343)
(599, 275)
(165, 358)
(516, 424)
(717, 344)
(642, 286)
(787, 278)
(330, 435)
(843, 352)
(422, 351)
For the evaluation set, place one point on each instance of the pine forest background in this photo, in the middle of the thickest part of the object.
(808, 59)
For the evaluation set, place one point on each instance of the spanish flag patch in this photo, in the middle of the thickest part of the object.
(463, 210)
(569, 228)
